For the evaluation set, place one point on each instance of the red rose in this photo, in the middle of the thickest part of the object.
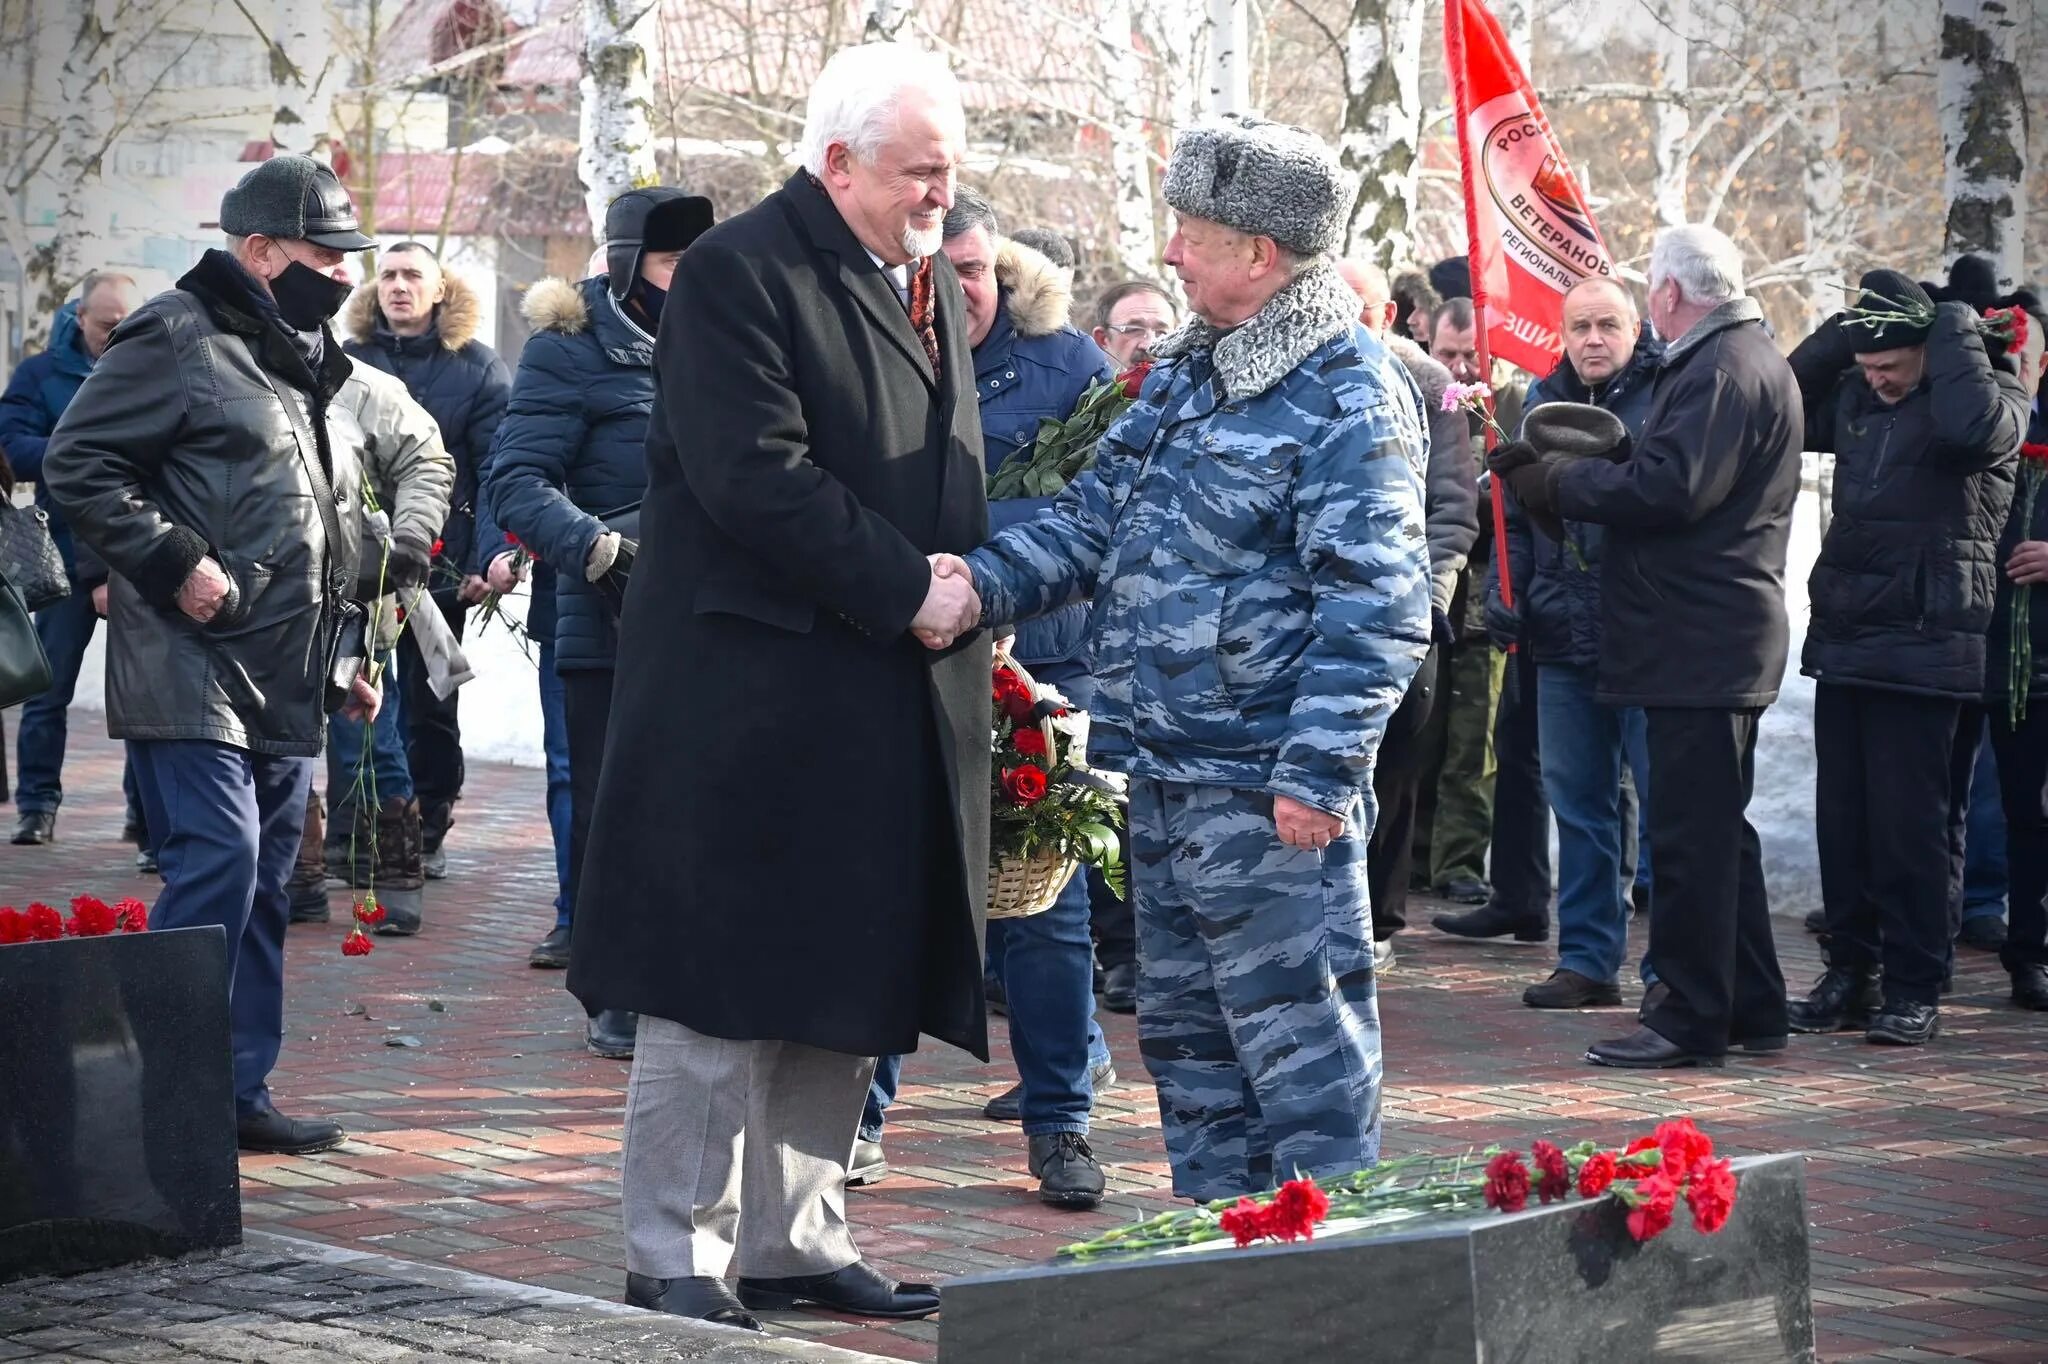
(1554, 1179)
(1651, 1205)
(1596, 1174)
(1024, 785)
(355, 944)
(1711, 1195)
(91, 917)
(1296, 1209)
(44, 924)
(439, 546)
(134, 915)
(13, 927)
(1246, 1222)
(1684, 1147)
(1014, 697)
(1133, 379)
(1507, 1182)
(1030, 741)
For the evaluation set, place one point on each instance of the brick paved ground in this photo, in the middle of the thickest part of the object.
(493, 1145)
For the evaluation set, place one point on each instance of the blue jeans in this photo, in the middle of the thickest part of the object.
(1585, 744)
(65, 630)
(554, 738)
(227, 825)
(1984, 884)
(389, 774)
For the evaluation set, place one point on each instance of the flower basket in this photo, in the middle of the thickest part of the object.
(1020, 886)
(1050, 815)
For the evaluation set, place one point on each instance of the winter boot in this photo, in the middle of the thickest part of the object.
(434, 822)
(352, 845)
(400, 877)
(307, 888)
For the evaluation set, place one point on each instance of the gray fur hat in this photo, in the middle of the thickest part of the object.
(1267, 179)
(1566, 431)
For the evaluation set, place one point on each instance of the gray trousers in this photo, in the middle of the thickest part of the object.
(738, 1147)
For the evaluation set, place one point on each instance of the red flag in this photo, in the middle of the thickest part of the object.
(1530, 234)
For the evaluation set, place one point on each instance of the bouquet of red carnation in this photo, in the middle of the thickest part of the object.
(1049, 815)
(1064, 448)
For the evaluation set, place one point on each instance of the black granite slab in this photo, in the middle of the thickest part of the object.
(1561, 1283)
(117, 1108)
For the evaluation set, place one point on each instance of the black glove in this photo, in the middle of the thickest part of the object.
(406, 567)
(611, 588)
(1503, 623)
(1440, 629)
(1535, 487)
(1818, 361)
(1515, 454)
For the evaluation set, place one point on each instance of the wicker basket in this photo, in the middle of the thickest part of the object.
(1021, 886)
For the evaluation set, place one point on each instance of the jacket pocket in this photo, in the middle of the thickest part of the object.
(741, 599)
(1180, 703)
(1232, 504)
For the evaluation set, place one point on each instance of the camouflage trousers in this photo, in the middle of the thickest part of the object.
(1257, 1016)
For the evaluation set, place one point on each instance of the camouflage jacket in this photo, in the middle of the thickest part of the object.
(1251, 535)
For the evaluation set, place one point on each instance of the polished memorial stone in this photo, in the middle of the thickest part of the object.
(1563, 1283)
(117, 1108)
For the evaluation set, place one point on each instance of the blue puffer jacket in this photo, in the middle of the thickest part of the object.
(39, 390)
(572, 447)
(1557, 586)
(459, 380)
(1252, 536)
(1033, 365)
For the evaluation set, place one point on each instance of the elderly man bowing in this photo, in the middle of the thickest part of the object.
(787, 859)
(1252, 536)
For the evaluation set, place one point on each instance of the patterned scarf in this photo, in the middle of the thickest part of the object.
(924, 312)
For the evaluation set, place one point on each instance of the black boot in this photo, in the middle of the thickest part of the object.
(706, 1299)
(1068, 1173)
(1493, 920)
(1844, 998)
(610, 1034)
(267, 1130)
(307, 888)
(435, 820)
(36, 826)
(401, 881)
(1570, 990)
(1903, 1024)
(2030, 987)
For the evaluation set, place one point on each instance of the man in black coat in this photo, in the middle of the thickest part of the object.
(1925, 433)
(788, 858)
(1693, 630)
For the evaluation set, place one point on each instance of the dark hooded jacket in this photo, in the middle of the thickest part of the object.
(38, 391)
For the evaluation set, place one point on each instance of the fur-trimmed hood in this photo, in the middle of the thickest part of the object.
(1041, 297)
(1315, 307)
(1429, 375)
(457, 316)
(556, 305)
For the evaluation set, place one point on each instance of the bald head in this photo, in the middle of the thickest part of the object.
(1375, 298)
(1600, 328)
(103, 301)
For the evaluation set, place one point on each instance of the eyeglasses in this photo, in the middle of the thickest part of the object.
(1141, 329)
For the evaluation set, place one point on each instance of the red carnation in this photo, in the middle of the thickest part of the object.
(1507, 1182)
(1651, 1206)
(1246, 1222)
(1684, 1147)
(1596, 1174)
(13, 927)
(91, 917)
(512, 539)
(2037, 454)
(1030, 741)
(1296, 1209)
(1711, 1195)
(368, 911)
(1133, 379)
(1024, 785)
(1554, 1176)
(134, 915)
(439, 545)
(44, 923)
(356, 944)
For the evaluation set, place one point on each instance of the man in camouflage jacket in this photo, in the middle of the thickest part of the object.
(1252, 537)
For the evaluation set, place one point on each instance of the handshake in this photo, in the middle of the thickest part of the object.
(951, 607)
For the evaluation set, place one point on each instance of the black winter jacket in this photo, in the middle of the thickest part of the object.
(1699, 517)
(573, 446)
(459, 380)
(2025, 522)
(1903, 589)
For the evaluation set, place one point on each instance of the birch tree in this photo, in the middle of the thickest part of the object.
(1229, 84)
(85, 85)
(1821, 171)
(1984, 131)
(1137, 237)
(303, 77)
(1518, 22)
(1670, 144)
(617, 141)
(1381, 135)
(881, 20)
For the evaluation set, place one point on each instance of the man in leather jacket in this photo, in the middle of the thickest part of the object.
(206, 461)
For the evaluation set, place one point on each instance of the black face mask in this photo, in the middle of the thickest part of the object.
(306, 298)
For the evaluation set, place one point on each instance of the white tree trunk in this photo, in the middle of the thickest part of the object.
(881, 19)
(1382, 128)
(1137, 236)
(1673, 122)
(85, 86)
(1229, 86)
(1827, 229)
(303, 79)
(1984, 131)
(1174, 29)
(1518, 21)
(617, 152)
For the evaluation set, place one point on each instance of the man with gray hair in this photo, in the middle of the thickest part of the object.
(1252, 537)
(1698, 510)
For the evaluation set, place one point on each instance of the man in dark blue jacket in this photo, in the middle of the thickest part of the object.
(571, 451)
(41, 387)
(1611, 361)
(419, 322)
(1030, 364)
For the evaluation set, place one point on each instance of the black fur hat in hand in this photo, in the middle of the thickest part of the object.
(1569, 431)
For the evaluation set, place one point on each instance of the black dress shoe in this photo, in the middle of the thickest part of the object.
(867, 1165)
(36, 826)
(1985, 932)
(1899, 1024)
(1463, 890)
(1639, 899)
(271, 1132)
(552, 952)
(705, 1299)
(1493, 920)
(611, 1033)
(1816, 921)
(1120, 989)
(1647, 1049)
(1008, 1106)
(145, 862)
(859, 1290)
(1843, 998)
(2030, 987)
(1570, 990)
(1067, 1172)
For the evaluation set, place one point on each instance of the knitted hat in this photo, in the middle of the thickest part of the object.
(1567, 431)
(1267, 179)
(293, 198)
(1888, 291)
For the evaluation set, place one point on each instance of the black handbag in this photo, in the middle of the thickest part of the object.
(28, 556)
(24, 667)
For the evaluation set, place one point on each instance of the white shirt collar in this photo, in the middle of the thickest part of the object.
(899, 275)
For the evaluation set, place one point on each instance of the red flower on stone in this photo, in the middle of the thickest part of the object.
(1030, 741)
(44, 923)
(356, 944)
(1296, 1209)
(1596, 1174)
(1024, 785)
(1507, 1182)
(13, 925)
(1684, 1147)
(1554, 1176)
(1651, 1205)
(134, 915)
(91, 917)
(1711, 1195)
(1246, 1222)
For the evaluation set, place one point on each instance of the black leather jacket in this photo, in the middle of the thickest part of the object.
(196, 434)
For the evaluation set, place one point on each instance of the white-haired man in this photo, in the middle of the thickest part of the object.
(781, 745)
(1699, 511)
